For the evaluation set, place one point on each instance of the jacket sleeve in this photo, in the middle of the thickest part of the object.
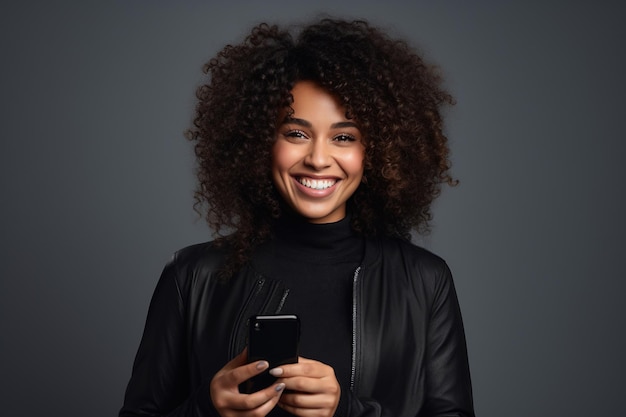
(448, 383)
(448, 391)
(159, 385)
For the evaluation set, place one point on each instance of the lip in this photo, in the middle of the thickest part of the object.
(315, 193)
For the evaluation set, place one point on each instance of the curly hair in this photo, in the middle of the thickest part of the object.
(385, 86)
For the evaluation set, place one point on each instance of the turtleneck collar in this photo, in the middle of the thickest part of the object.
(312, 242)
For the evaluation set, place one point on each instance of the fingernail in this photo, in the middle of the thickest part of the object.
(280, 387)
(276, 372)
(262, 365)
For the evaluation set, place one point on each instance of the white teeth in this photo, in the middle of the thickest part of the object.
(316, 184)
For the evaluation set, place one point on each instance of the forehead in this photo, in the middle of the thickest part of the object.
(311, 101)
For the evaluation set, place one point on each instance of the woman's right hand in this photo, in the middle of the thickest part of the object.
(227, 399)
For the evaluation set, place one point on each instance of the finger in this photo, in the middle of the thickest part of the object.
(309, 368)
(242, 373)
(308, 401)
(308, 385)
(238, 370)
(264, 398)
(305, 412)
(260, 403)
(308, 412)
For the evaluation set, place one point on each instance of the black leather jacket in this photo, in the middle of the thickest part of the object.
(409, 357)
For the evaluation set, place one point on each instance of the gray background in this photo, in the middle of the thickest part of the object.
(96, 188)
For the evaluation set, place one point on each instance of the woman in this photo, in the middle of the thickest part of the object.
(318, 156)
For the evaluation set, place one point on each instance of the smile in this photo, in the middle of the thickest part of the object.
(317, 184)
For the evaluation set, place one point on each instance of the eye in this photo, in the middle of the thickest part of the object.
(344, 137)
(295, 134)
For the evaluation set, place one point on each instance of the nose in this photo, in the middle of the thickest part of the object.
(318, 156)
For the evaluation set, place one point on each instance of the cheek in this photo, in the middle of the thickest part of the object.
(283, 156)
(277, 169)
(354, 162)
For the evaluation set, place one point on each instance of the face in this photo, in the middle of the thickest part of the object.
(318, 155)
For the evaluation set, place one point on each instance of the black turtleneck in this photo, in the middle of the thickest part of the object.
(317, 263)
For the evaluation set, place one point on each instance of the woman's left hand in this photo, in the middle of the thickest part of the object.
(311, 388)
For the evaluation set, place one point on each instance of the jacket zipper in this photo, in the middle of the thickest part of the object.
(355, 282)
(256, 289)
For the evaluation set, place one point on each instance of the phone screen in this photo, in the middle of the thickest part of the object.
(273, 338)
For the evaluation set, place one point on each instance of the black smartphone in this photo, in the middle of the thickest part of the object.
(273, 338)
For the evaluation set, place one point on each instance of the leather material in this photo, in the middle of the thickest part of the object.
(409, 353)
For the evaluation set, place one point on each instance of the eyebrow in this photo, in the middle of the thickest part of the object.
(306, 123)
